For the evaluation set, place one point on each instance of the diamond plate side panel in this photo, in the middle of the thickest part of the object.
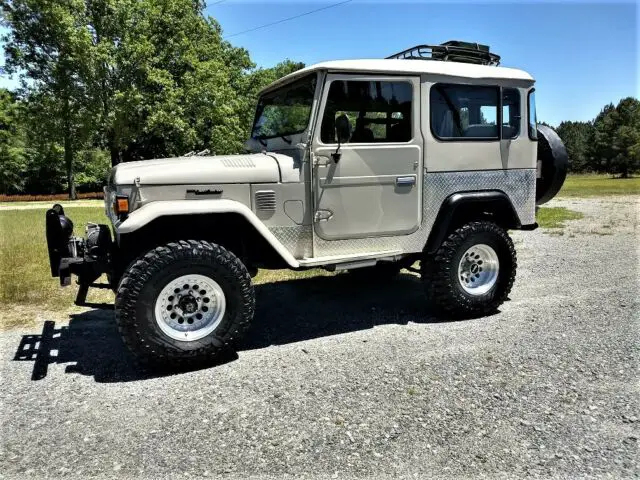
(519, 185)
(298, 239)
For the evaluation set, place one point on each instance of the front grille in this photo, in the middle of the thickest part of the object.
(265, 200)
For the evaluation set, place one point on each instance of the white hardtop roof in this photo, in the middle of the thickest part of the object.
(398, 66)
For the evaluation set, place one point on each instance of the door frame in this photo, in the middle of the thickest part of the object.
(316, 142)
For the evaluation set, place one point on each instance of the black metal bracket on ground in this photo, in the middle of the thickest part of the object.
(83, 290)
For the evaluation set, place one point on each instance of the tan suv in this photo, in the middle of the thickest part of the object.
(427, 156)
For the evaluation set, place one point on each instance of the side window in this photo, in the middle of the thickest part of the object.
(533, 121)
(510, 113)
(379, 112)
(464, 111)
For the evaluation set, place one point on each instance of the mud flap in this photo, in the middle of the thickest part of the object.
(553, 163)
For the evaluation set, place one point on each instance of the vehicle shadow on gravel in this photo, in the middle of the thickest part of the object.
(287, 312)
(296, 310)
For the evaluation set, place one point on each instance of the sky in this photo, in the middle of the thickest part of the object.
(582, 55)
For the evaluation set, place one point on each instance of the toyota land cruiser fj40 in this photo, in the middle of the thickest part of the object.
(427, 156)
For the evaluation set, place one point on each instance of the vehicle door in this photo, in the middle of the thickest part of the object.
(370, 185)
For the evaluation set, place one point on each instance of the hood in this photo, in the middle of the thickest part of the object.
(252, 168)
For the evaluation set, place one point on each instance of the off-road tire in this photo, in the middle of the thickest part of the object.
(381, 272)
(441, 277)
(145, 278)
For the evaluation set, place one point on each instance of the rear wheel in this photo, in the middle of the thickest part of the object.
(472, 272)
(183, 305)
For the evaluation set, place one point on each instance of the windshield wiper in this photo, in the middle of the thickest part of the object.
(261, 140)
(288, 140)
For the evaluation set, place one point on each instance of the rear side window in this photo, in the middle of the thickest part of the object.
(510, 113)
(464, 112)
(379, 111)
(533, 121)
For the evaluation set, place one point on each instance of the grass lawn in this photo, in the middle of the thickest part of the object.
(27, 290)
(593, 185)
(555, 217)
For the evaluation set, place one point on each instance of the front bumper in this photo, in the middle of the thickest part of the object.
(87, 258)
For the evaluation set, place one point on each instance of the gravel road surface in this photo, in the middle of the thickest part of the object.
(338, 380)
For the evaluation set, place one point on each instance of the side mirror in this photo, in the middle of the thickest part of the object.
(343, 129)
(343, 132)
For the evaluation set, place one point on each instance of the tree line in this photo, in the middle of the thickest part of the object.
(105, 81)
(610, 143)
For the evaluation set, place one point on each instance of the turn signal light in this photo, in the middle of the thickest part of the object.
(121, 204)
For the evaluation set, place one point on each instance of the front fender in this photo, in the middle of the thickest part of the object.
(154, 210)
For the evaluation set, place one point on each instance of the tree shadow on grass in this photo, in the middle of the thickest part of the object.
(287, 312)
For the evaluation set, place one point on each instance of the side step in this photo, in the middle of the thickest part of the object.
(357, 258)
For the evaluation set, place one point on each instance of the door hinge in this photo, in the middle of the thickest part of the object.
(320, 161)
(322, 215)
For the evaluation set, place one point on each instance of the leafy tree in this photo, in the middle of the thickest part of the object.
(48, 44)
(13, 158)
(164, 79)
(576, 137)
(626, 142)
(614, 145)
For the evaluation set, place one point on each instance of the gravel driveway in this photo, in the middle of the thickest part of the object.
(340, 381)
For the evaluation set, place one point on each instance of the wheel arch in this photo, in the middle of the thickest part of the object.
(462, 207)
(226, 222)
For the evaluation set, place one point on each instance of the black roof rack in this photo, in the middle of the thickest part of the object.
(452, 51)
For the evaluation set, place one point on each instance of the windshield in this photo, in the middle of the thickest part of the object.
(285, 111)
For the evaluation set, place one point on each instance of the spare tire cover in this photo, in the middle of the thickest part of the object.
(554, 159)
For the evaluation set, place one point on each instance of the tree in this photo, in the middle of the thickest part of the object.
(615, 141)
(164, 79)
(48, 44)
(13, 158)
(137, 78)
(576, 136)
(626, 142)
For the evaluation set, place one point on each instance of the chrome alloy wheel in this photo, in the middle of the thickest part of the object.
(190, 307)
(478, 269)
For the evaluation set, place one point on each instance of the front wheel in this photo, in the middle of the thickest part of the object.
(183, 305)
(472, 272)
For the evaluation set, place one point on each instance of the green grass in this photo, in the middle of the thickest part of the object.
(27, 290)
(599, 185)
(555, 217)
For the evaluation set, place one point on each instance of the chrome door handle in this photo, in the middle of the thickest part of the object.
(405, 181)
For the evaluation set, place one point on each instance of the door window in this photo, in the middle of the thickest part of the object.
(464, 112)
(378, 111)
(510, 113)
